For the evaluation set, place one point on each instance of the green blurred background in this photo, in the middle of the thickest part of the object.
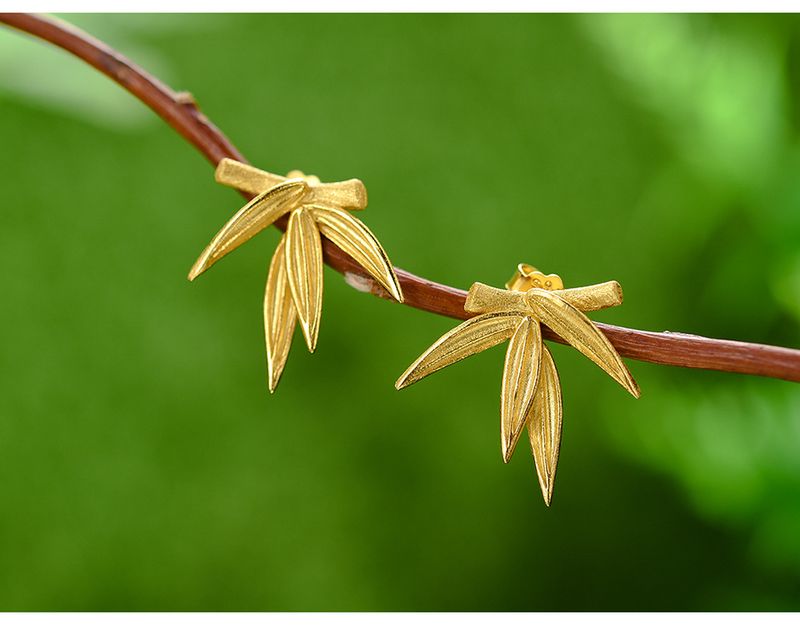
(143, 465)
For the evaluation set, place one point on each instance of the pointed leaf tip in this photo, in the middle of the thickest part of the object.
(544, 425)
(520, 378)
(279, 316)
(471, 337)
(304, 270)
(579, 331)
(251, 219)
(357, 241)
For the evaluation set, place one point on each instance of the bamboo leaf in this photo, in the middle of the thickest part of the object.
(471, 337)
(482, 298)
(355, 239)
(579, 331)
(544, 425)
(251, 219)
(279, 316)
(349, 194)
(245, 177)
(520, 377)
(303, 252)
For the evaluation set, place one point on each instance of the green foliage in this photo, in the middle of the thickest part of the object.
(143, 464)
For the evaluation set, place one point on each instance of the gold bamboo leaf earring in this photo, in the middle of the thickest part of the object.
(294, 282)
(531, 391)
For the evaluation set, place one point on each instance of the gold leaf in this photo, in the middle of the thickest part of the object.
(251, 219)
(579, 331)
(304, 268)
(471, 337)
(245, 177)
(594, 297)
(544, 425)
(279, 316)
(483, 298)
(354, 238)
(350, 194)
(520, 377)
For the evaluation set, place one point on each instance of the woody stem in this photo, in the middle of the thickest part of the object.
(181, 112)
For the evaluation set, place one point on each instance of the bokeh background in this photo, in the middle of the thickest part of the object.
(143, 465)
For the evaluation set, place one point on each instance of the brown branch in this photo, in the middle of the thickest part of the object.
(181, 112)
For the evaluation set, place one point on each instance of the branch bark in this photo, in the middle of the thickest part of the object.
(181, 112)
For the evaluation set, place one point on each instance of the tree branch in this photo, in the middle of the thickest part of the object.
(180, 111)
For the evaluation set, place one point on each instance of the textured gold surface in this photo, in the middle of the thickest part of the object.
(531, 391)
(482, 298)
(471, 337)
(520, 377)
(304, 269)
(279, 316)
(354, 238)
(579, 331)
(349, 194)
(251, 219)
(295, 281)
(544, 425)
(244, 177)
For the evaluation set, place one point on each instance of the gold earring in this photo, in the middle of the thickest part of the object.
(294, 282)
(531, 391)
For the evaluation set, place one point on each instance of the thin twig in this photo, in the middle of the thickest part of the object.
(180, 111)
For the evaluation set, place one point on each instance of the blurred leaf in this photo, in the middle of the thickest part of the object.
(733, 450)
(718, 91)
